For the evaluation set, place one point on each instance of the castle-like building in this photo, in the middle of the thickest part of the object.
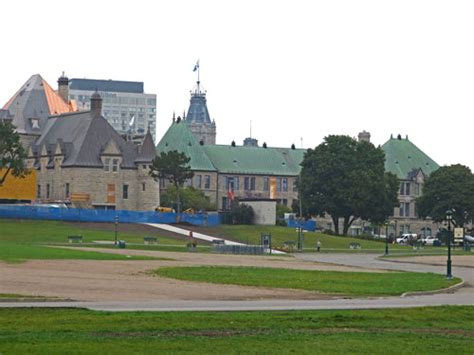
(78, 157)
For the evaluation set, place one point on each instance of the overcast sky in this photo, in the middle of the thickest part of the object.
(298, 70)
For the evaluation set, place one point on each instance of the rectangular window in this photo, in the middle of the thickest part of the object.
(405, 209)
(252, 183)
(47, 191)
(115, 163)
(224, 203)
(284, 184)
(207, 181)
(278, 184)
(198, 181)
(246, 183)
(232, 183)
(143, 187)
(107, 164)
(66, 193)
(38, 192)
(266, 185)
(405, 188)
(125, 192)
(295, 184)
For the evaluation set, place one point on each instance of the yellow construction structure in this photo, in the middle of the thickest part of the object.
(19, 189)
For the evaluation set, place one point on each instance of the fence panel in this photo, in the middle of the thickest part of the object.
(93, 215)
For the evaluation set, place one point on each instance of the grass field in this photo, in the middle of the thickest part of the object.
(430, 330)
(28, 239)
(329, 243)
(332, 282)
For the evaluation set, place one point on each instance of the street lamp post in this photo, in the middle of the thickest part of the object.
(386, 239)
(116, 227)
(449, 217)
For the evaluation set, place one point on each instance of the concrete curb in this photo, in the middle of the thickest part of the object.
(418, 263)
(434, 292)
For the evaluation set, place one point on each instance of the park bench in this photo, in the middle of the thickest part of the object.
(289, 245)
(149, 240)
(354, 246)
(74, 238)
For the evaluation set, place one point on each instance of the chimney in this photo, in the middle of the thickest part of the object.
(364, 136)
(96, 104)
(63, 87)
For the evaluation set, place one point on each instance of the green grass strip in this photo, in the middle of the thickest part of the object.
(333, 282)
(427, 330)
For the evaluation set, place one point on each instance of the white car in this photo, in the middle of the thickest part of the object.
(429, 240)
(406, 238)
(469, 239)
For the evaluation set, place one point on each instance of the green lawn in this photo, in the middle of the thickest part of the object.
(329, 243)
(333, 282)
(251, 235)
(430, 330)
(28, 239)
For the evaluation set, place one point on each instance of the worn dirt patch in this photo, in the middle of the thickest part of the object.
(91, 280)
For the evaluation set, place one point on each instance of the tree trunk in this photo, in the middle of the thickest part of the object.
(347, 223)
(335, 221)
(178, 200)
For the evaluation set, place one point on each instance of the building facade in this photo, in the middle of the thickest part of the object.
(80, 159)
(126, 106)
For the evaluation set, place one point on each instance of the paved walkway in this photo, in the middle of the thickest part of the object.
(199, 236)
(185, 232)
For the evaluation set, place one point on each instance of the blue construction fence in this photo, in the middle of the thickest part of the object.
(93, 215)
(308, 225)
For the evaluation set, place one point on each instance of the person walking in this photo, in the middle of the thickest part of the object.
(318, 246)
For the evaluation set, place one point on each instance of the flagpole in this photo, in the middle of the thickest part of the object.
(199, 82)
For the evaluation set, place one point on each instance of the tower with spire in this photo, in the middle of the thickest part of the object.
(197, 117)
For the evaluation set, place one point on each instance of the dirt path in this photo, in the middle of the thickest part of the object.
(90, 280)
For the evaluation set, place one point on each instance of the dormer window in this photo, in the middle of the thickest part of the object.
(107, 164)
(115, 165)
(35, 123)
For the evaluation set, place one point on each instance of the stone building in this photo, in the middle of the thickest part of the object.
(224, 172)
(412, 166)
(81, 159)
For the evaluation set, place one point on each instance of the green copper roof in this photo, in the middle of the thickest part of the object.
(255, 160)
(179, 137)
(402, 157)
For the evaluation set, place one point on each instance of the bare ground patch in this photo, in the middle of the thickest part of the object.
(91, 280)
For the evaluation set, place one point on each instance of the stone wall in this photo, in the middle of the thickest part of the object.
(143, 191)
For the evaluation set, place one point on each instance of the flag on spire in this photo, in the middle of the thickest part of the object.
(196, 66)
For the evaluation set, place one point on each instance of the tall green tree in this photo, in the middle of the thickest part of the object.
(12, 153)
(448, 188)
(346, 179)
(172, 166)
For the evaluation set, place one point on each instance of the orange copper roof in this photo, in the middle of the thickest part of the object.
(56, 104)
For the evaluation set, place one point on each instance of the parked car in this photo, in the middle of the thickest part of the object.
(430, 240)
(406, 238)
(469, 239)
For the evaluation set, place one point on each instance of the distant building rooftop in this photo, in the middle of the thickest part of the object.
(135, 87)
